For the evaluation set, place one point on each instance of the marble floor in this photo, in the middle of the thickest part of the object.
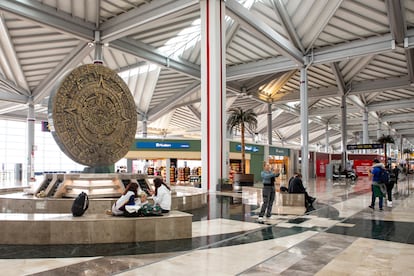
(342, 236)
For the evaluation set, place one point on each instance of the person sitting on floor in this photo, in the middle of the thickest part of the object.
(127, 198)
(296, 187)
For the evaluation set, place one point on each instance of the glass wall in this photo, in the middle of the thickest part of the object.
(47, 155)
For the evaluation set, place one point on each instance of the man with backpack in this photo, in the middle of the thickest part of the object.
(378, 183)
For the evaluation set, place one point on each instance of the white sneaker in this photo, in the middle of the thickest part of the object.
(260, 220)
(271, 217)
(389, 203)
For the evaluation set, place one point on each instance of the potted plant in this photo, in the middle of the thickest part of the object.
(386, 139)
(240, 119)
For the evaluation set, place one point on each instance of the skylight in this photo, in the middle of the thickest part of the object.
(176, 46)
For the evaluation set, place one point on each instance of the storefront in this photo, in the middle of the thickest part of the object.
(279, 158)
(177, 161)
(254, 155)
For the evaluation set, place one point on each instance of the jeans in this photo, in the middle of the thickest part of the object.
(268, 199)
(390, 186)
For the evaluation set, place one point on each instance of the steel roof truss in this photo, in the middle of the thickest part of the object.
(46, 15)
(244, 16)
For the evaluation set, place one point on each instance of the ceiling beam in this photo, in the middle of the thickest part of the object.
(329, 54)
(288, 24)
(259, 68)
(391, 105)
(331, 111)
(362, 87)
(331, 132)
(398, 117)
(15, 98)
(409, 53)
(48, 16)
(194, 111)
(160, 110)
(11, 87)
(349, 50)
(151, 54)
(247, 19)
(399, 126)
(396, 19)
(406, 132)
(125, 24)
(8, 56)
(338, 77)
(73, 59)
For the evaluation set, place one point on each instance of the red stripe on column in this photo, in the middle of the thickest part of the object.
(221, 93)
(208, 92)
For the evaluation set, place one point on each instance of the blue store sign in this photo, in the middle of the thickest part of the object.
(248, 148)
(162, 145)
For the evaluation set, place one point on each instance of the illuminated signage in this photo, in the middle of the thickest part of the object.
(248, 148)
(162, 145)
(364, 146)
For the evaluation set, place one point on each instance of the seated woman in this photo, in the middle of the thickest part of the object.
(127, 198)
(162, 195)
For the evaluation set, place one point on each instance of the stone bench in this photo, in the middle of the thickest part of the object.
(292, 199)
(46, 228)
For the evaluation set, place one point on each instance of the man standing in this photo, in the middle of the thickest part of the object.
(268, 191)
(375, 173)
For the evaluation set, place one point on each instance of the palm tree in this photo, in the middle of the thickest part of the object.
(407, 152)
(242, 119)
(386, 139)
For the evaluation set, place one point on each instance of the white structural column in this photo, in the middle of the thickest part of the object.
(327, 137)
(379, 129)
(213, 93)
(365, 127)
(269, 123)
(30, 140)
(144, 127)
(344, 136)
(304, 125)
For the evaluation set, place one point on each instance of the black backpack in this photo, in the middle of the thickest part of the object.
(80, 205)
(384, 176)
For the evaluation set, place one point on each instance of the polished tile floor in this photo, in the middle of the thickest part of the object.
(340, 237)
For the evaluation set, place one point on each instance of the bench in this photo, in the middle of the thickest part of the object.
(47, 228)
(292, 199)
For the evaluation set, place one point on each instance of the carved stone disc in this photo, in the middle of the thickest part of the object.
(92, 116)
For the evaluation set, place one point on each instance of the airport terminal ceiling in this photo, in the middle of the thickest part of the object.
(362, 49)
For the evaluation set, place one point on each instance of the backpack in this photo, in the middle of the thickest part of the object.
(150, 210)
(80, 204)
(384, 176)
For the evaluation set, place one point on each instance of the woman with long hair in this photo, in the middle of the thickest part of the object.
(162, 195)
(127, 198)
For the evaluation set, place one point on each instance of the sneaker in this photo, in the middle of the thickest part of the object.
(260, 220)
(271, 217)
(389, 203)
(372, 207)
(381, 209)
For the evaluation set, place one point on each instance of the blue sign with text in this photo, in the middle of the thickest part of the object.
(248, 148)
(162, 145)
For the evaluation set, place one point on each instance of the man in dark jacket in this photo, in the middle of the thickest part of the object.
(296, 187)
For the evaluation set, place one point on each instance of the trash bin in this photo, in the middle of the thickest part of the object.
(18, 172)
(329, 171)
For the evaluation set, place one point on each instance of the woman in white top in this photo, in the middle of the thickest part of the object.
(162, 195)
